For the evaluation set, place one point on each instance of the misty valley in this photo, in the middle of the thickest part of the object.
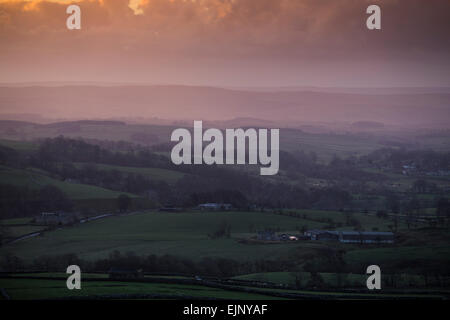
(180, 154)
(106, 196)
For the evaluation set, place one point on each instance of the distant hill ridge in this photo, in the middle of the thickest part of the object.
(86, 122)
(410, 107)
(63, 123)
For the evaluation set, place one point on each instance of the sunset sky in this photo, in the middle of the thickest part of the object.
(227, 42)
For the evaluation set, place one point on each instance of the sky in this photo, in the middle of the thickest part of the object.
(227, 42)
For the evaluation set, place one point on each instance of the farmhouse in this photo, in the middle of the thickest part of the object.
(55, 218)
(322, 235)
(351, 236)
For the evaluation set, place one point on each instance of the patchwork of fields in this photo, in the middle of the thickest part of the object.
(420, 251)
(184, 234)
(25, 289)
(187, 235)
(95, 286)
(156, 174)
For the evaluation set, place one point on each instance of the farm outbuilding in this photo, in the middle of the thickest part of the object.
(322, 235)
(351, 236)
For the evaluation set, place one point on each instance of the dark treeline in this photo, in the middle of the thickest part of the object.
(60, 150)
(22, 201)
(54, 152)
(78, 161)
(331, 260)
(219, 267)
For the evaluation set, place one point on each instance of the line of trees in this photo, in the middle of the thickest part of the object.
(78, 161)
(327, 260)
(23, 201)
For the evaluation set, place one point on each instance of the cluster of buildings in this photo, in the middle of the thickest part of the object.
(351, 236)
(331, 235)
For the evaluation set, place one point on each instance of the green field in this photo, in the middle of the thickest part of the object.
(158, 174)
(33, 178)
(187, 235)
(17, 231)
(19, 145)
(23, 289)
(182, 234)
(53, 286)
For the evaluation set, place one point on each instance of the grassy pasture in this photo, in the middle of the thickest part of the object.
(182, 234)
(168, 176)
(24, 289)
(186, 235)
(17, 231)
(36, 179)
(19, 145)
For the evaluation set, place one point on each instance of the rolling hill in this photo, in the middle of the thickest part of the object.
(34, 178)
(209, 103)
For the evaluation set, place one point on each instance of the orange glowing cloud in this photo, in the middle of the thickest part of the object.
(34, 5)
(219, 7)
(143, 37)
